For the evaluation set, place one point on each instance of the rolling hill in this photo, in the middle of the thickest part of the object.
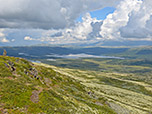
(76, 86)
(29, 88)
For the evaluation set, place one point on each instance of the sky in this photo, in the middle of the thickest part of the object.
(99, 14)
(30, 22)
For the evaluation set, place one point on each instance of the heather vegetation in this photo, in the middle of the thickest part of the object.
(125, 93)
(77, 86)
(37, 89)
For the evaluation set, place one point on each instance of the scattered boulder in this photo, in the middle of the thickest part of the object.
(6, 65)
(4, 111)
(30, 69)
(89, 93)
(10, 63)
(26, 72)
(13, 69)
(33, 72)
(98, 103)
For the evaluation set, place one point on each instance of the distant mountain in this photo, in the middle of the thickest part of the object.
(81, 44)
(114, 43)
(48, 52)
(127, 43)
(107, 43)
(42, 51)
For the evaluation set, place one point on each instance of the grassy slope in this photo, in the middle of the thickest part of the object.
(53, 92)
(126, 93)
(143, 52)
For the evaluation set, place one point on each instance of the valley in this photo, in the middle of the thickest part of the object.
(113, 83)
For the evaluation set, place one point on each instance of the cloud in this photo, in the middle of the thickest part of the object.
(112, 24)
(95, 34)
(12, 40)
(28, 38)
(54, 21)
(140, 22)
(132, 19)
(4, 40)
(86, 30)
(81, 30)
(46, 14)
(3, 37)
(1, 33)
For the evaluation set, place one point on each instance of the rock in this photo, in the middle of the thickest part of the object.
(31, 69)
(13, 69)
(6, 65)
(89, 93)
(98, 103)
(4, 111)
(26, 72)
(10, 63)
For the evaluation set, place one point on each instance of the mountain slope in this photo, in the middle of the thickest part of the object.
(29, 88)
(126, 93)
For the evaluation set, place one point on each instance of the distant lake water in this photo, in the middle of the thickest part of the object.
(83, 55)
(35, 61)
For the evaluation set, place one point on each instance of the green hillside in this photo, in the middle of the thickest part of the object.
(125, 93)
(27, 88)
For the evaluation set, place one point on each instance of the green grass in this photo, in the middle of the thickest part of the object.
(54, 92)
(83, 86)
(126, 92)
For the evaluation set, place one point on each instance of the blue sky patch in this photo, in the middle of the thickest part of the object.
(100, 14)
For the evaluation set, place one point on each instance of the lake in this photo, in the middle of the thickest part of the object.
(82, 55)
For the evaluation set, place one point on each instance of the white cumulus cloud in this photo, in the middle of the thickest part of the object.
(140, 22)
(86, 30)
(46, 14)
(3, 38)
(28, 38)
(54, 21)
(112, 24)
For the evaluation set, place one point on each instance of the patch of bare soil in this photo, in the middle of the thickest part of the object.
(2, 110)
(47, 81)
(35, 95)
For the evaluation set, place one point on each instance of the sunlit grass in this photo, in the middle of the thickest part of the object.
(133, 96)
